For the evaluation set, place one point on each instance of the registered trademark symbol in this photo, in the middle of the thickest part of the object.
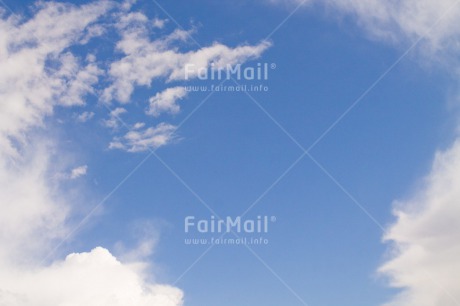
(273, 219)
(273, 66)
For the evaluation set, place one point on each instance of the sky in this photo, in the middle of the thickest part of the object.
(121, 150)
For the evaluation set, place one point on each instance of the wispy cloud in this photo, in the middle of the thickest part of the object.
(165, 101)
(146, 139)
(27, 47)
(78, 172)
(145, 59)
(85, 116)
(114, 119)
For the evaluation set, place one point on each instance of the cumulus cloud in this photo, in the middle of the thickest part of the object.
(165, 101)
(94, 278)
(146, 139)
(425, 254)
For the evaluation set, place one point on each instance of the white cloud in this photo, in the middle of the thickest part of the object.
(438, 22)
(28, 88)
(33, 213)
(78, 172)
(93, 31)
(72, 174)
(76, 81)
(127, 4)
(114, 118)
(425, 258)
(95, 278)
(147, 139)
(165, 101)
(85, 116)
(146, 60)
(138, 125)
(159, 23)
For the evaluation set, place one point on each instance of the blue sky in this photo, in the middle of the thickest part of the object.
(375, 107)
